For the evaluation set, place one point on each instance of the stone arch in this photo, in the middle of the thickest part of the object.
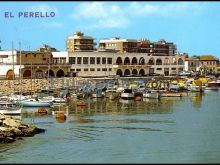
(134, 72)
(180, 61)
(151, 61)
(10, 75)
(142, 61)
(119, 72)
(126, 61)
(119, 61)
(51, 73)
(174, 61)
(142, 72)
(60, 73)
(127, 72)
(134, 61)
(39, 74)
(166, 61)
(159, 61)
(27, 74)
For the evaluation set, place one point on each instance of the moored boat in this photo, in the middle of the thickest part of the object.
(127, 94)
(10, 108)
(34, 102)
(151, 94)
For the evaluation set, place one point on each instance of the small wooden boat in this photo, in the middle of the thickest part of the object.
(80, 103)
(42, 110)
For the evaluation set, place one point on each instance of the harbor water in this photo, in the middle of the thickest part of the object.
(169, 130)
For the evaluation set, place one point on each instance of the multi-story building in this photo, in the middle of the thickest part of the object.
(10, 65)
(79, 42)
(119, 45)
(160, 48)
(34, 64)
(208, 64)
(110, 63)
(192, 64)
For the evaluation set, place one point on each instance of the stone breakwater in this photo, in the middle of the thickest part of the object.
(12, 129)
(35, 85)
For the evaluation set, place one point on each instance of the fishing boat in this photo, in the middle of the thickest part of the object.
(211, 86)
(112, 93)
(97, 93)
(127, 94)
(10, 108)
(151, 94)
(215, 83)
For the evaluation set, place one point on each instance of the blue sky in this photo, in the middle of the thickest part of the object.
(193, 26)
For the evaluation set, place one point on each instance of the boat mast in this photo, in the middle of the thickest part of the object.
(31, 67)
(13, 67)
(20, 70)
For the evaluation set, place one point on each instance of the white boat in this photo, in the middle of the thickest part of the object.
(215, 83)
(170, 95)
(10, 108)
(60, 100)
(111, 94)
(34, 102)
(196, 88)
(127, 94)
(149, 94)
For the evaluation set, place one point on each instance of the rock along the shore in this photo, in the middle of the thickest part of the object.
(12, 129)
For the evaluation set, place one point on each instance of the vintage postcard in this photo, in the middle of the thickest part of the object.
(109, 82)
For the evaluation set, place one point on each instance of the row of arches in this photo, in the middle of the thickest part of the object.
(151, 61)
(37, 74)
(127, 72)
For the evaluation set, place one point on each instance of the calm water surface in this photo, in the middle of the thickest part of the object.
(171, 130)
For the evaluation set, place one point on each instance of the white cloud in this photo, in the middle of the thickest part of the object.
(102, 15)
(112, 15)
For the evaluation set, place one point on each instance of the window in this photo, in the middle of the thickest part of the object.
(98, 60)
(79, 60)
(72, 60)
(103, 60)
(92, 60)
(173, 68)
(110, 69)
(109, 60)
(104, 69)
(78, 70)
(85, 60)
(72, 70)
(98, 69)
(159, 68)
(92, 69)
(86, 69)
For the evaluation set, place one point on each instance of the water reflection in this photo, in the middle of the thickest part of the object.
(106, 106)
(196, 99)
